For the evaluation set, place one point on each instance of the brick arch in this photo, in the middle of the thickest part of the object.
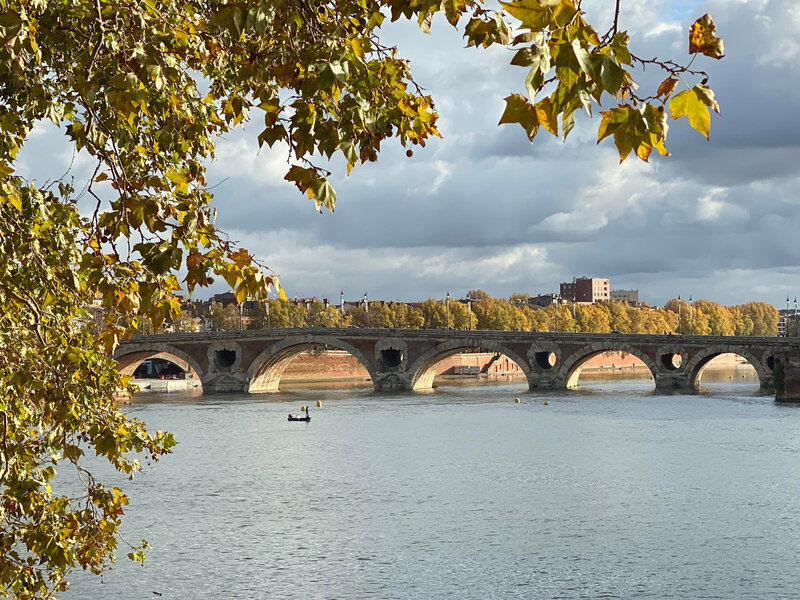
(265, 371)
(700, 359)
(422, 372)
(571, 366)
(129, 357)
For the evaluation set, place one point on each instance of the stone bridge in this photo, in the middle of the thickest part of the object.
(405, 359)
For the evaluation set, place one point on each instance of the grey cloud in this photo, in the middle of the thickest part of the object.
(485, 208)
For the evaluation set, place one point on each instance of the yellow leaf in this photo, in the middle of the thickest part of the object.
(14, 200)
(693, 105)
(545, 115)
(538, 15)
(643, 151)
(702, 39)
(357, 46)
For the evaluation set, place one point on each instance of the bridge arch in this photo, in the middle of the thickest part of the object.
(700, 360)
(422, 371)
(265, 371)
(572, 365)
(130, 356)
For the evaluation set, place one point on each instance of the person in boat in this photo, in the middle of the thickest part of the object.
(307, 412)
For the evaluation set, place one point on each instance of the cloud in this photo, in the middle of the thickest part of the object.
(485, 208)
(711, 208)
(238, 155)
(575, 222)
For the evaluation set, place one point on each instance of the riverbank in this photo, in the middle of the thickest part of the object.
(165, 385)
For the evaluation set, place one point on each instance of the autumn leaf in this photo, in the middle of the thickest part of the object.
(667, 87)
(241, 257)
(635, 129)
(702, 39)
(519, 110)
(538, 15)
(545, 115)
(694, 104)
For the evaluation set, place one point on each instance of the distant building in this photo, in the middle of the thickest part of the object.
(629, 296)
(586, 289)
(224, 298)
(543, 300)
(787, 323)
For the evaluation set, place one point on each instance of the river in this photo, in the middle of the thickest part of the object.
(607, 492)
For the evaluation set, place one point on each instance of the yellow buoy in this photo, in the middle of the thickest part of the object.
(516, 400)
(546, 403)
(302, 408)
(319, 403)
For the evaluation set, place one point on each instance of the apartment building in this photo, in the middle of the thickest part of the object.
(586, 289)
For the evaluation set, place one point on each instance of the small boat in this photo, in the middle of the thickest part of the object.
(294, 418)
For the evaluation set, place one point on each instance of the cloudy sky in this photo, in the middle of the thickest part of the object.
(484, 208)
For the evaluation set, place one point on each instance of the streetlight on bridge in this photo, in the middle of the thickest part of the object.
(555, 310)
(786, 319)
(574, 319)
(447, 309)
(366, 307)
(469, 311)
(691, 315)
(341, 306)
(680, 325)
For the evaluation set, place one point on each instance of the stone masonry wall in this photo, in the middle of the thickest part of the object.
(335, 364)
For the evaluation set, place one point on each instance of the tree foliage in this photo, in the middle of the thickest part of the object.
(57, 400)
(225, 318)
(571, 67)
(142, 89)
(700, 317)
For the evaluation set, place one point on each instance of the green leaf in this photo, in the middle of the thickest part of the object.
(524, 57)
(270, 135)
(612, 75)
(10, 25)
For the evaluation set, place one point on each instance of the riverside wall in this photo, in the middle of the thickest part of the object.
(339, 365)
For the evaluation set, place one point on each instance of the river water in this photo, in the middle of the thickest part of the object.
(608, 492)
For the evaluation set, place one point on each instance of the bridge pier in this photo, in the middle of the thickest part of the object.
(541, 381)
(226, 382)
(392, 382)
(786, 376)
(673, 383)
